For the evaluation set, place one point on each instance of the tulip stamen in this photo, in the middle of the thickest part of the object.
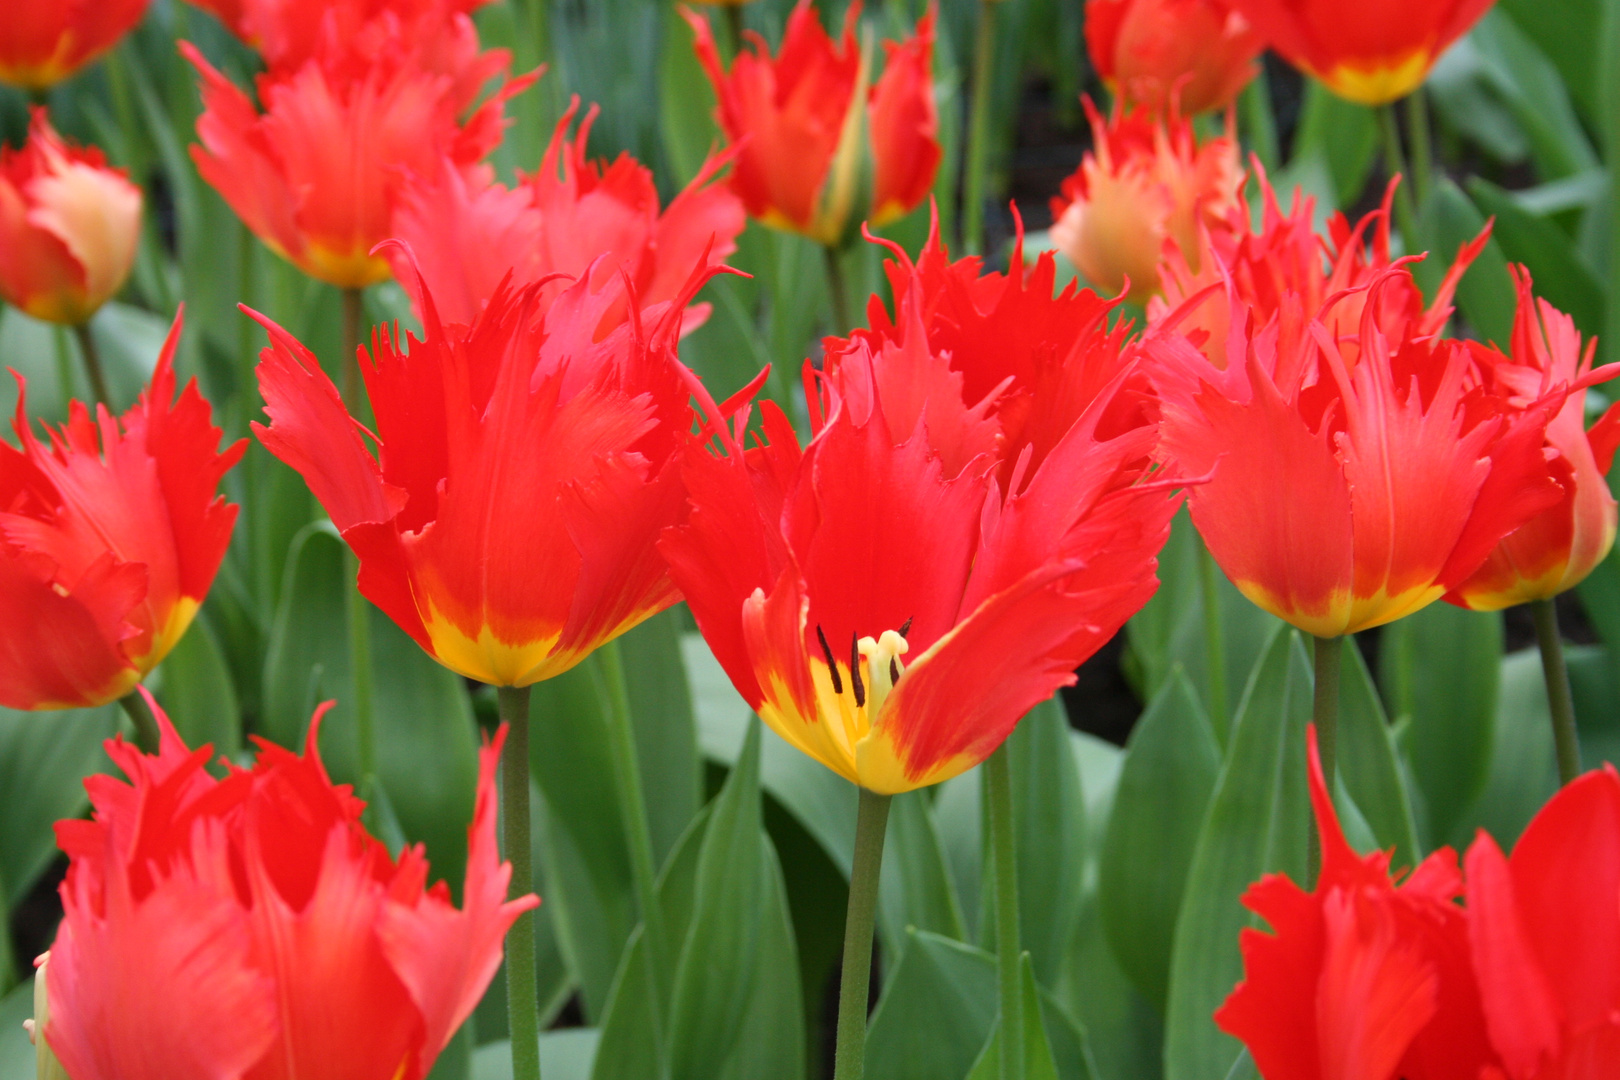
(884, 665)
(855, 670)
(832, 665)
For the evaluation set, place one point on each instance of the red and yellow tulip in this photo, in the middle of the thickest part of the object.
(1189, 56)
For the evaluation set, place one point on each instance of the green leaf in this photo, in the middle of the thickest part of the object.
(197, 693)
(1524, 769)
(666, 732)
(1593, 677)
(1368, 766)
(915, 888)
(1438, 671)
(1171, 765)
(1038, 1063)
(16, 1052)
(685, 103)
(1446, 221)
(1343, 134)
(564, 1055)
(1565, 31)
(1561, 277)
(1529, 85)
(1257, 824)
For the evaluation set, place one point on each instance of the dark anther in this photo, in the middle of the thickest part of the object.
(894, 672)
(855, 670)
(832, 665)
(905, 628)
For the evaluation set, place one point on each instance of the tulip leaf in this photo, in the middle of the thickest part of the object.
(197, 693)
(1170, 769)
(915, 887)
(1485, 296)
(17, 1059)
(1343, 134)
(1257, 823)
(564, 1055)
(1438, 671)
(666, 730)
(1038, 1063)
(1565, 32)
(1523, 768)
(1593, 677)
(1368, 766)
(685, 102)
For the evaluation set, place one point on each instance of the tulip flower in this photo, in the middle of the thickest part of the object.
(555, 224)
(42, 43)
(69, 226)
(251, 927)
(882, 599)
(1146, 186)
(1360, 977)
(1555, 550)
(110, 535)
(820, 146)
(1371, 53)
(1356, 479)
(1544, 932)
(317, 174)
(1167, 55)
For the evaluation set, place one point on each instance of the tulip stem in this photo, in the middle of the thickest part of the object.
(522, 996)
(1214, 643)
(1417, 129)
(638, 838)
(855, 978)
(352, 306)
(92, 363)
(984, 65)
(998, 782)
(1259, 120)
(734, 20)
(147, 736)
(1559, 701)
(1325, 714)
(1395, 164)
(354, 605)
(838, 291)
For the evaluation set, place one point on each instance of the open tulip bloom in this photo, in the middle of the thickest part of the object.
(43, 43)
(1190, 55)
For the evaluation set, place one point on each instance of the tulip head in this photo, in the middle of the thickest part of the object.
(69, 226)
(1186, 55)
(1372, 52)
(110, 534)
(1146, 187)
(819, 145)
(43, 43)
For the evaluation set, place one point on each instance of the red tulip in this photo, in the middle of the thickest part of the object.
(1191, 55)
(110, 535)
(1556, 549)
(1544, 926)
(1282, 267)
(1360, 978)
(42, 42)
(69, 226)
(317, 175)
(525, 470)
(251, 927)
(289, 33)
(881, 599)
(1147, 186)
(1371, 51)
(553, 225)
(1356, 479)
(819, 147)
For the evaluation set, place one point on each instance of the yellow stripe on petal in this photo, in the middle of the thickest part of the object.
(1328, 619)
(352, 269)
(1382, 84)
(880, 769)
(491, 660)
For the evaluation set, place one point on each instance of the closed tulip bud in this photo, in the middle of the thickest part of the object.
(1147, 186)
(69, 226)
(1194, 55)
(42, 42)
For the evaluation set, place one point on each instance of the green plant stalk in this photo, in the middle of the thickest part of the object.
(522, 995)
(1560, 703)
(1417, 127)
(855, 978)
(1395, 162)
(734, 21)
(92, 363)
(638, 838)
(1259, 121)
(998, 785)
(354, 605)
(147, 735)
(978, 150)
(1214, 640)
(838, 290)
(1325, 714)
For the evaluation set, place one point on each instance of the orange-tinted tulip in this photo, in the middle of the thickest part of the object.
(109, 538)
(251, 928)
(1355, 479)
(1369, 51)
(42, 42)
(892, 598)
(1556, 549)
(1191, 55)
(317, 174)
(820, 147)
(1146, 185)
(1360, 978)
(69, 226)
(526, 469)
(465, 239)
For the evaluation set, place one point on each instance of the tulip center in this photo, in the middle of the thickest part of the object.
(874, 668)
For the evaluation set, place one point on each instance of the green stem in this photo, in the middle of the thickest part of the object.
(92, 363)
(1325, 714)
(1395, 162)
(734, 21)
(352, 386)
(146, 727)
(354, 605)
(1259, 121)
(854, 981)
(838, 289)
(998, 782)
(1214, 642)
(984, 65)
(1559, 702)
(633, 809)
(522, 995)
(1417, 127)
